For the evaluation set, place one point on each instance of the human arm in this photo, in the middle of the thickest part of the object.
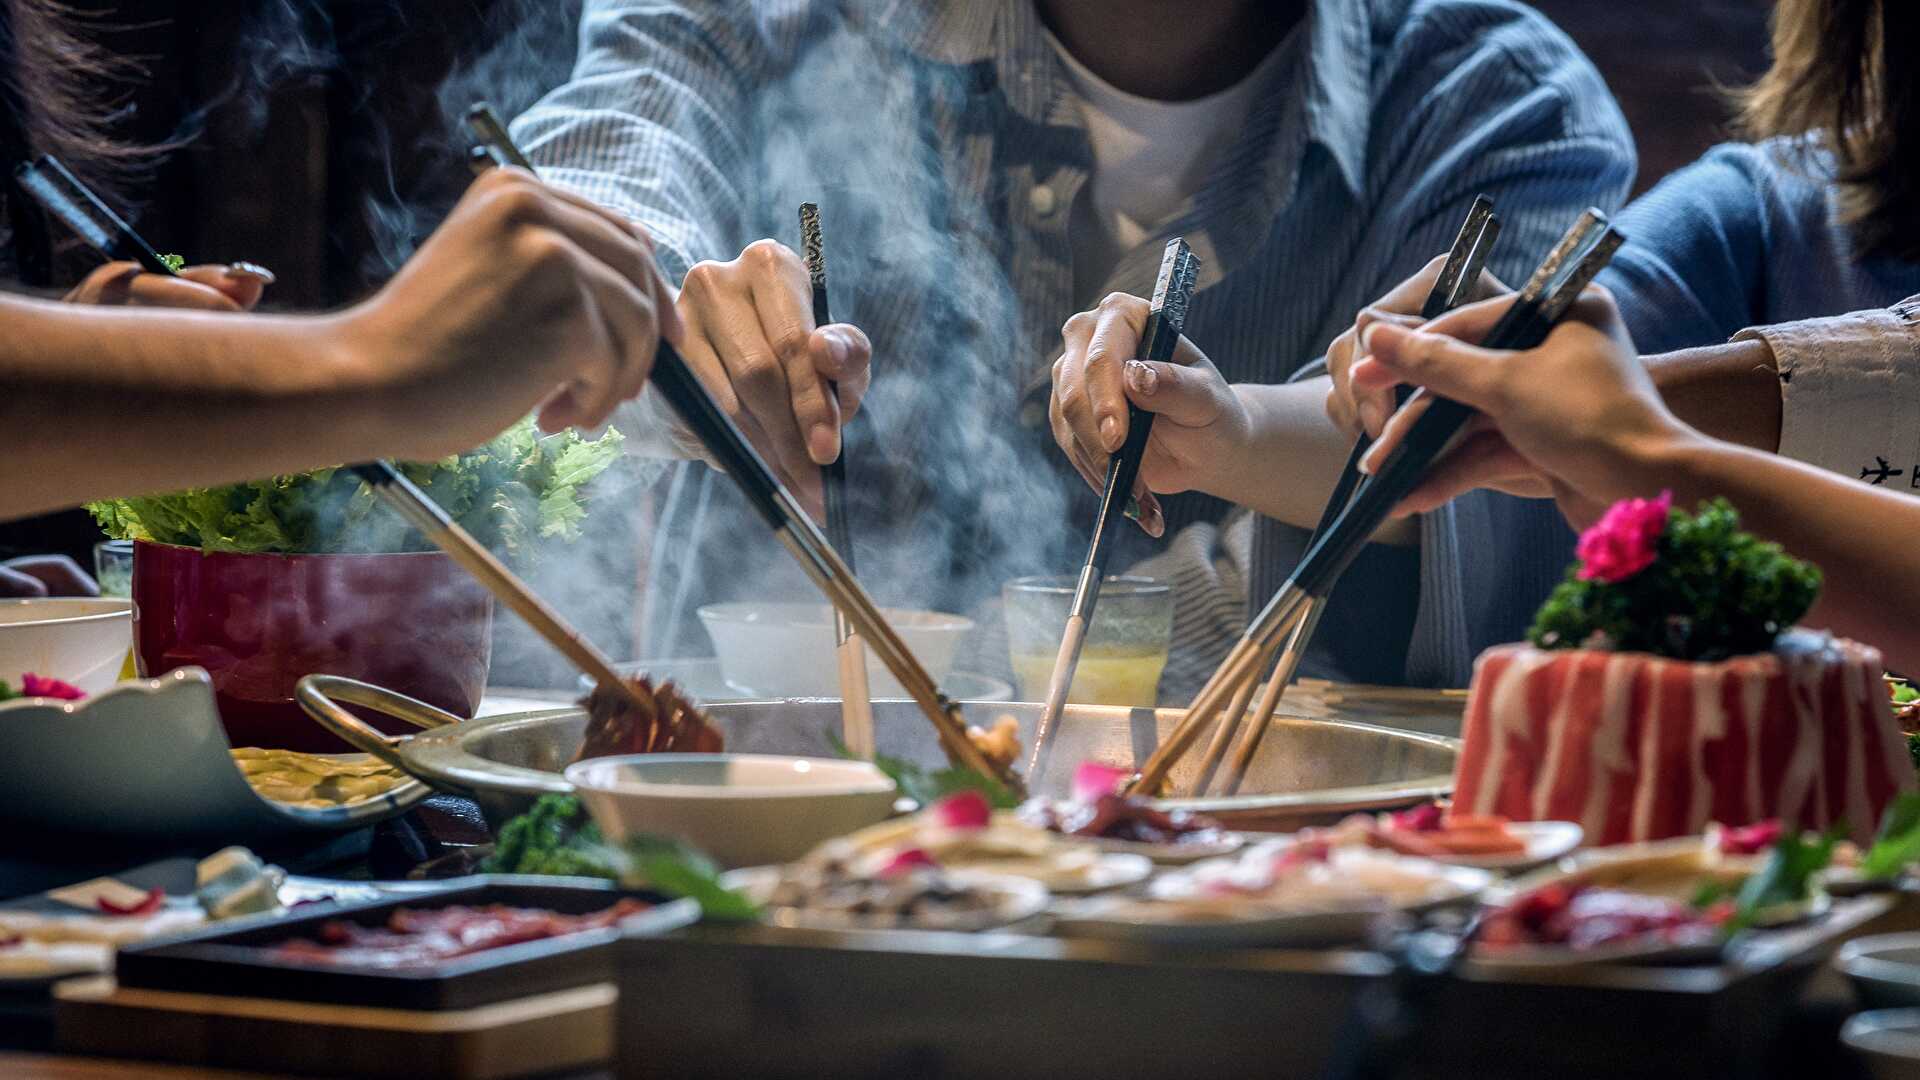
(232, 287)
(1583, 414)
(524, 290)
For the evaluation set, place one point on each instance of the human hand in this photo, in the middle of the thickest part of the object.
(230, 287)
(45, 575)
(1577, 418)
(752, 341)
(1200, 421)
(525, 296)
(1353, 412)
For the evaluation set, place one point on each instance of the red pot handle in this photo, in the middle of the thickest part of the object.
(317, 695)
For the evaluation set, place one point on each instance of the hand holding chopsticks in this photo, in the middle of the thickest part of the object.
(1547, 296)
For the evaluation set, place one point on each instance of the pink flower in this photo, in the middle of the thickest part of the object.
(963, 810)
(1624, 541)
(1092, 780)
(905, 861)
(32, 685)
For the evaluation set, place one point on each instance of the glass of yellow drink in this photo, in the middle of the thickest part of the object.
(1126, 646)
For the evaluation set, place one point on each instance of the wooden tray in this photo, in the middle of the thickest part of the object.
(760, 1001)
(236, 960)
(563, 1029)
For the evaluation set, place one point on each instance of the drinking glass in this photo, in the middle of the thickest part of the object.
(113, 567)
(1126, 647)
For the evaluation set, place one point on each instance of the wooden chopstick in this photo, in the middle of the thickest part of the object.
(1548, 295)
(1166, 320)
(65, 197)
(856, 697)
(491, 135)
(1466, 258)
(796, 531)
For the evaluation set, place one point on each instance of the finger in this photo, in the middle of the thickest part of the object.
(1466, 373)
(1394, 434)
(1063, 438)
(1483, 460)
(17, 586)
(1150, 518)
(1190, 397)
(842, 354)
(759, 380)
(1371, 408)
(783, 302)
(242, 283)
(108, 278)
(60, 574)
(1339, 403)
(1115, 340)
(1069, 382)
(701, 355)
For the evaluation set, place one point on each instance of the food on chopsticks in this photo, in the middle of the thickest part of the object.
(316, 781)
(928, 786)
(661, 721)
(999, 744)
(1906, 713)
(412, 938)
(1665, 687)
(962, 831)
(32, 686)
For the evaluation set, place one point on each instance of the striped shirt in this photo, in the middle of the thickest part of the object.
(946, 146)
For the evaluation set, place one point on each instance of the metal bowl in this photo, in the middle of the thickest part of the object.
(1308, 771)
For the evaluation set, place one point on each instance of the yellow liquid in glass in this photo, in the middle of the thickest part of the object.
(1107, 675)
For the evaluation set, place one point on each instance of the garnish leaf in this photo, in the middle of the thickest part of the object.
(929, 786)
(1786, 877)
(1897, 844)
(175, 263)
(679, 870)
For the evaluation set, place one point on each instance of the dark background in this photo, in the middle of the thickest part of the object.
(316, 141)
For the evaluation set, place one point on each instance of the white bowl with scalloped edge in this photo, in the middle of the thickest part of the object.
(79, 640)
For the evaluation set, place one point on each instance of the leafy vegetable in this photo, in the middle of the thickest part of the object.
(507, 492)
(927, 787)
(1904, 693)
(1711, 593)
(1897, 844)
(558, 838)
(1786, 877)
(555, 838)
(7, 692)
(175, 263)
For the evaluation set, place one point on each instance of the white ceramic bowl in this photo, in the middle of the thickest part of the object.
(78, 640)
(786, 650)
(1888, 1040)
(742, 809)
(1884, 969)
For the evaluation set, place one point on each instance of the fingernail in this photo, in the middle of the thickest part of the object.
(1154, 523)
(1370, 417)
(823, 444)
(1110, 433)
(1141, 378)
(838, 348)
(1132, 511)
(1366, 336)
(251, 269)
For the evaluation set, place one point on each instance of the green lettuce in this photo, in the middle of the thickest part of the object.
(509, 492)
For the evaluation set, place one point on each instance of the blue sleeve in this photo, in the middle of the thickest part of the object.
(1693, 269)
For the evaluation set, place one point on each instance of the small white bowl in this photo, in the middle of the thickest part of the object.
(1884, 969)
(78, 640)
(1888, 1040)
(786, 650)
(742, 809)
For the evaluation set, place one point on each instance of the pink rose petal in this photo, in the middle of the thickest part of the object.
(1625, 540)
(962, 810)
(1092, 780)
(32, 685)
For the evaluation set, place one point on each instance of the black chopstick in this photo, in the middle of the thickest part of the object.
(492, 138)
(833, 475)
(66, 198)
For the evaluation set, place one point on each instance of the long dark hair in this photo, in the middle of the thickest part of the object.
(1843, 73)
(58, 93)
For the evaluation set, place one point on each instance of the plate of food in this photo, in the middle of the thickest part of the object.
(149, 758)
(1433, 831)
(1101, 815)
(1274, 894)
(828, 892)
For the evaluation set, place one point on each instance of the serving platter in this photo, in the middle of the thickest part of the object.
(149, 759)
(1309, 772)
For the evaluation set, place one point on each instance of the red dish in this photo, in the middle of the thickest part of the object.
(414, 623)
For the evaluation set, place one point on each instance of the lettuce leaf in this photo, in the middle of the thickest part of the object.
(516, 489)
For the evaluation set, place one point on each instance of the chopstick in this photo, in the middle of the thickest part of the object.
(1166, 320)
(1546, 298)
(1472, 245)
(796, 532)
(492, 138)
(67, 198)
(856, 701)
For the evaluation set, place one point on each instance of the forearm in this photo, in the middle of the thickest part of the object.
(1293, 458)
(101, 402)
(1860, 537)
(1728, 391)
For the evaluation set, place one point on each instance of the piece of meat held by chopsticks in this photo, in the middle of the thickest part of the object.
(617, 724)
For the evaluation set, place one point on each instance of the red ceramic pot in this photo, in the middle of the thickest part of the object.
(413, 622)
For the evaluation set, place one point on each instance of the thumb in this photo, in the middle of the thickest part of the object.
(1188, 396)
(1448, 367)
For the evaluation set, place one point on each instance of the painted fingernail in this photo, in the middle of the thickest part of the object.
(822, 444)
(1110, 433)
(251, 269)
(1141, 378)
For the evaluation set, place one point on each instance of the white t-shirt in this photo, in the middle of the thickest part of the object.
(1149, 158)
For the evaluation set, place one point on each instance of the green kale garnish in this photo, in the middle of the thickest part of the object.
(555, 838)
(7, 692)
(175, 263)
(929, 786)
(1713, 592)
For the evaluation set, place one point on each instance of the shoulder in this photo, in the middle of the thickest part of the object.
(1784, 180)
(1485, 52)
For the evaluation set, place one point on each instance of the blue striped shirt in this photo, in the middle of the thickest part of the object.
(946, 146)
